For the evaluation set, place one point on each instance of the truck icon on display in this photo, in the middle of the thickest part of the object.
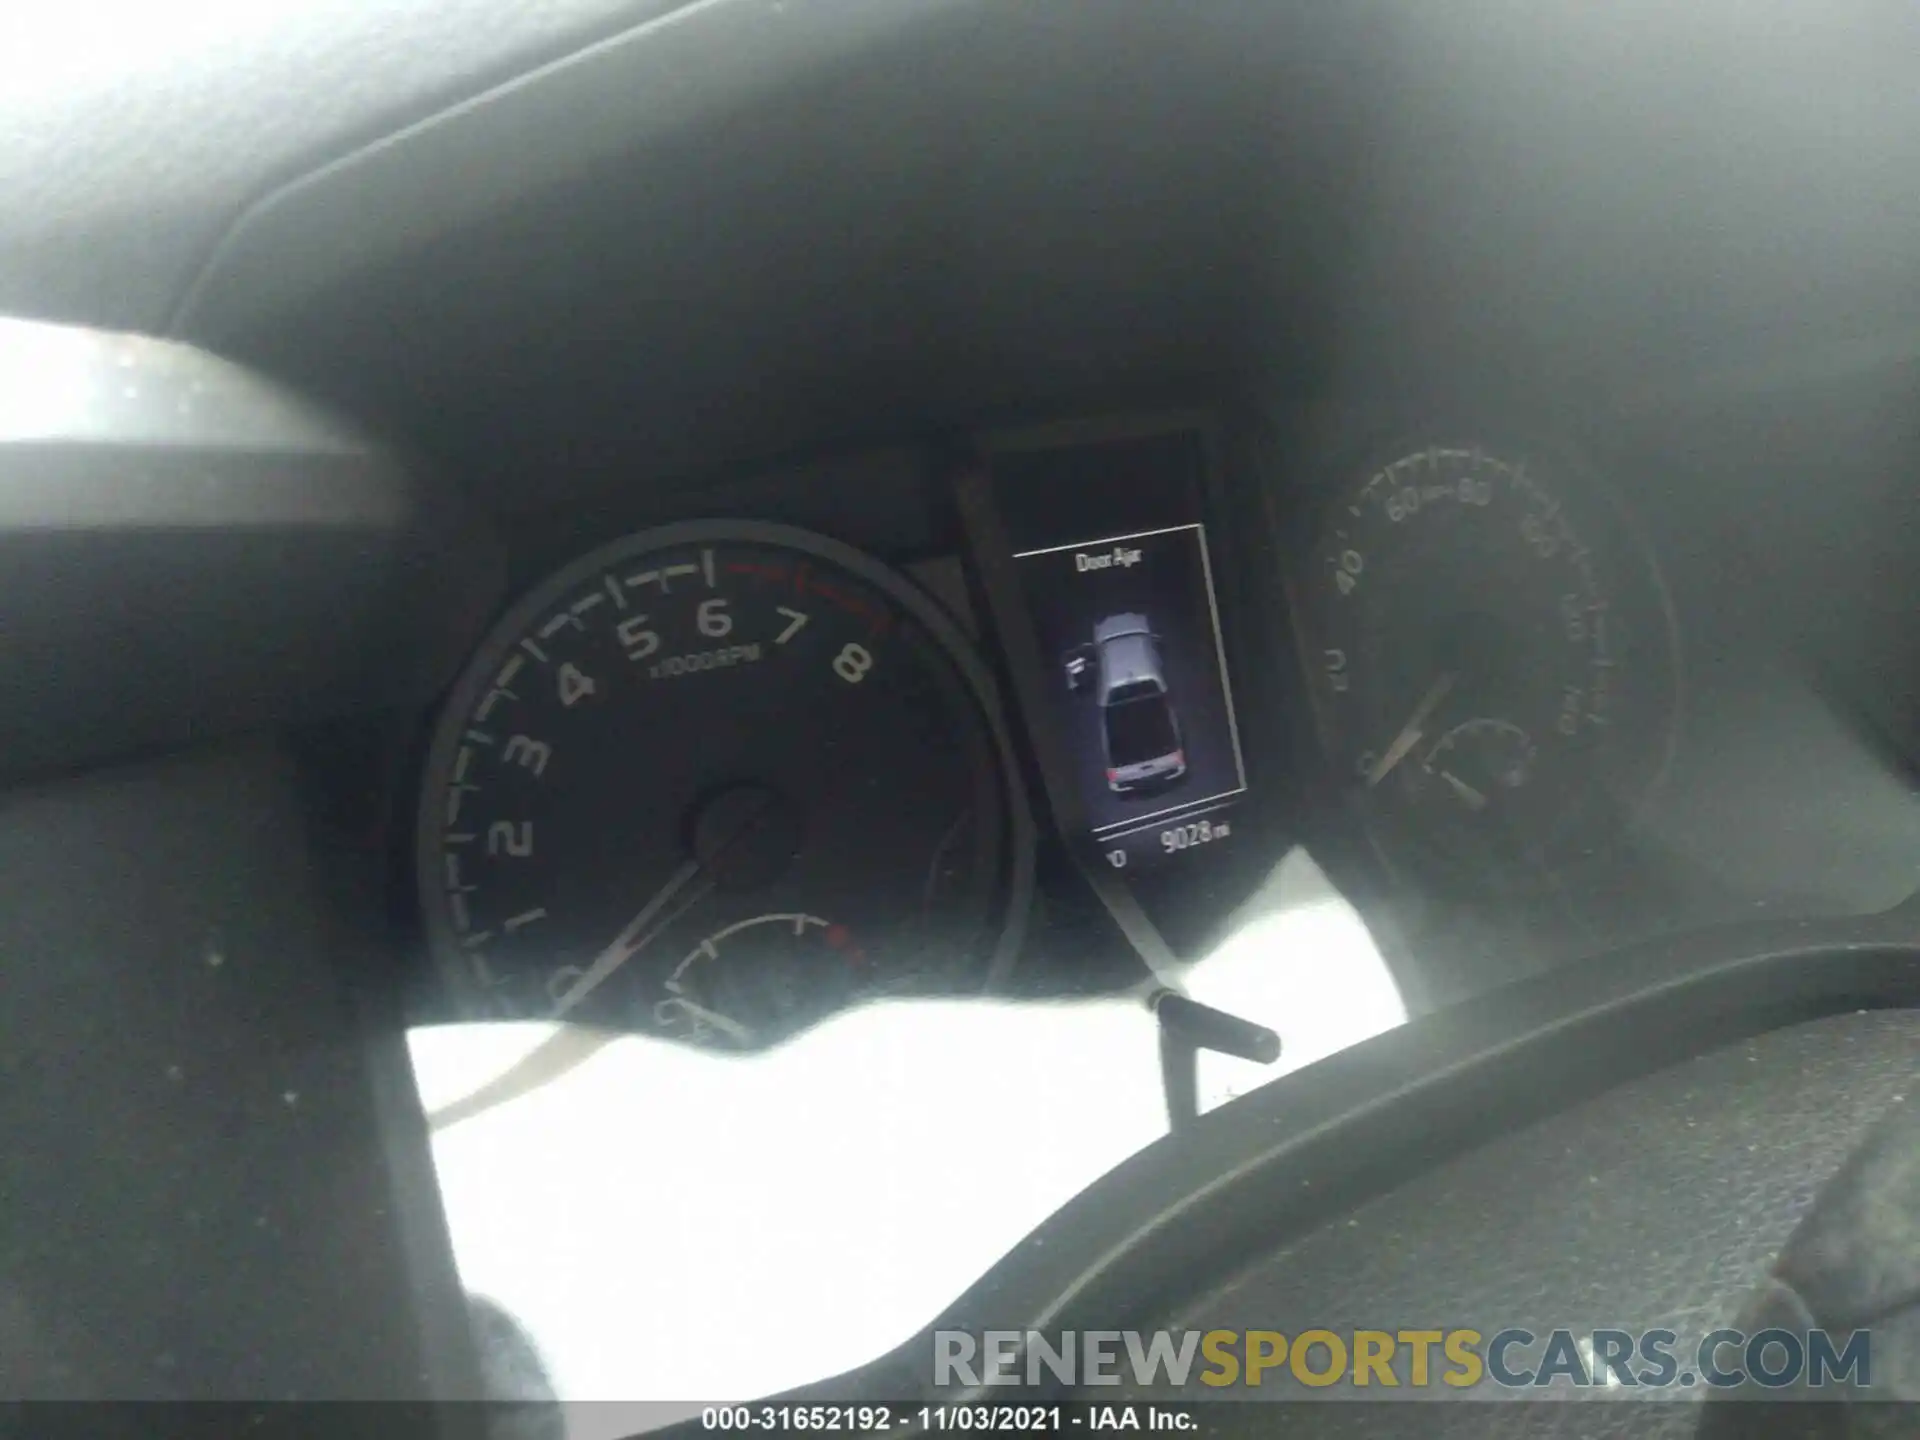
(1139, 731)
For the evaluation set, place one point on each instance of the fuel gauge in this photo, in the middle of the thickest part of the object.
(1480, 760)
(768, 975)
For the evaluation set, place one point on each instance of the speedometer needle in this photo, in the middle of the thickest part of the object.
(626, 943)
(1410, 733)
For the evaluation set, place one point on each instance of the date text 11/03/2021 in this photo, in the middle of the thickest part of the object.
(880, 1419)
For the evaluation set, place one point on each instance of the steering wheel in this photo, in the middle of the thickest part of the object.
(1626, 1144)
(1852, 1264)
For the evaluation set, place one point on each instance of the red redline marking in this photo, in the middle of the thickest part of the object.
(852, 604)
(879, 620)
(838, 937)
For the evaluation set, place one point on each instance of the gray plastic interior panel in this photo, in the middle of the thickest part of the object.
(216, 1177)
(187, 550)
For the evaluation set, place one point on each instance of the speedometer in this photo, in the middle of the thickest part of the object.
(1494, 659)
(713, 783)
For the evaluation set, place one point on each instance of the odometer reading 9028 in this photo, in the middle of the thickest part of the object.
(716, 782)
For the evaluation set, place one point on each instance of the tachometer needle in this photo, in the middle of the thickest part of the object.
(1412, 732)
(626, 943)
(569, 1047)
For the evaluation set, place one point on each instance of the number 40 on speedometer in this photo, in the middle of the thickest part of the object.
(1493, 659)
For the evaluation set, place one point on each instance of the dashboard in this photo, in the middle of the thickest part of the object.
(960, 513)
(1515, 692)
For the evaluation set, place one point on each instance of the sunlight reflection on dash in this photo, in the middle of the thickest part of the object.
(1298, 958)
(672, 1224)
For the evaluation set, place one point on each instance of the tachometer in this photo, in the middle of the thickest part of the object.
(714, 782)
(1494, 658)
